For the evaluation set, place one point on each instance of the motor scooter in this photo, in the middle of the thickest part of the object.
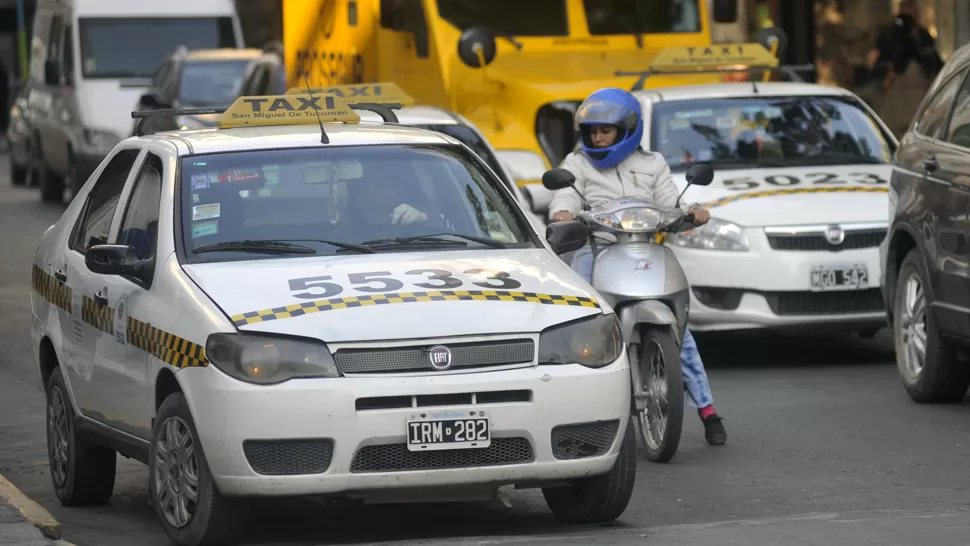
(643, 281)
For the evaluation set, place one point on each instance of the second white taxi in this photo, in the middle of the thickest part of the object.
(297, 303)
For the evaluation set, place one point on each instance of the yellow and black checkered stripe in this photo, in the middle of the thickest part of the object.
(298, 309)
(97, 315)
(169, 348)
(51, 289)
(789, 191)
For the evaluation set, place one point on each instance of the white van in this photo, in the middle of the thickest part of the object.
(91, 60)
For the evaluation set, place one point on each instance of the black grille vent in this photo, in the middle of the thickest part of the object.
(583, 440)
(817, 243)
(289, 457)
(825, 303)
(397, 458)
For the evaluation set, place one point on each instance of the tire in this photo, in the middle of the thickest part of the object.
(82, 474)
(18, 173)
(942, 377)
(659, 343)
(214, 519)
(51, 185)
(600, 498)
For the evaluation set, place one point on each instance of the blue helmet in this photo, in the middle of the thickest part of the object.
(610, 106)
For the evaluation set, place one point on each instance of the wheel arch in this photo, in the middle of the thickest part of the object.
(902, 241)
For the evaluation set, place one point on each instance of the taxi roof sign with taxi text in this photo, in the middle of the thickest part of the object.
(376, 93)
(675, 59)
(273, 110)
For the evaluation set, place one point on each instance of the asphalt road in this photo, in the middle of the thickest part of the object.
(824, 448)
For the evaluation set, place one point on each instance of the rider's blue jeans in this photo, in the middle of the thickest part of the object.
(690, 358)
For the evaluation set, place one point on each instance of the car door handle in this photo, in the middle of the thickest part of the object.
(100, 299)
(930, 164)
(60, 275)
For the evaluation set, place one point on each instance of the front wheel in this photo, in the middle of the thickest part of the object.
(658, 393)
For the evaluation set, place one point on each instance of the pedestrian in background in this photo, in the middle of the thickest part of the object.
(4, 103)
(905, 58)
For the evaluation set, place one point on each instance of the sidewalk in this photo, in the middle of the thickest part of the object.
(16, 529)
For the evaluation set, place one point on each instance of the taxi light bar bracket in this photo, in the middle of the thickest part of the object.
(147, 114)
(792, 71)
(386, 110)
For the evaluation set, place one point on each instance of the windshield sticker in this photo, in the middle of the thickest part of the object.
(90, 65)
(202, 229)
(727, 122)
(690, 114)
(195, 198)
(205, 212)
(200, 182)
(705, 154)
(679, 124)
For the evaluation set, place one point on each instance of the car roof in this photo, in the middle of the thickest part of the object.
(203, 141)
(416, 115)
(740, 89)
(223, 54)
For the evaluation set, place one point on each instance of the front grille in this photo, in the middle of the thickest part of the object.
(432, 400)
(415, 359)
(815, 242)
(397, 458)
(825, 303)
(583, 440)
(289, 457)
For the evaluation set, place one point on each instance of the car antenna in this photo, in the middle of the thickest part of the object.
(323, 134)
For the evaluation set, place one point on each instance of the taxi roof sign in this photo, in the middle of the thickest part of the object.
(374, 93)
(271, 110)
(677, 59)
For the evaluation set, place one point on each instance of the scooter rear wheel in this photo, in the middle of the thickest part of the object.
(661, 380)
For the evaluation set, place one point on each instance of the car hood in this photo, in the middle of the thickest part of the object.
(794, 196)
(287, 296)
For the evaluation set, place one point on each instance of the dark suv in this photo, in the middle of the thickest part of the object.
(926, 255)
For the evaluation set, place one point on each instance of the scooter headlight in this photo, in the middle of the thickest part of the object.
(594, 343)
(714, 235)
(636, 219)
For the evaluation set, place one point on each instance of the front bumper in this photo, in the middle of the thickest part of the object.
(765, 288)
(367, 453)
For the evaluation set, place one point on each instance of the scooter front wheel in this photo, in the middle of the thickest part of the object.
(658, 390)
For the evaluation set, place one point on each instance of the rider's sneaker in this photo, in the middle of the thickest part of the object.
(714, 430)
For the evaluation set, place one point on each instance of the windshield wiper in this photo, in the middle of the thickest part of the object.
(436, 239)
(278, 246)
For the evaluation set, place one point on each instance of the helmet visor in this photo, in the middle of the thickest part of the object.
(600, 112)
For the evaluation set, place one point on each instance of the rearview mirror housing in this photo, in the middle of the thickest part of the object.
(568, 236)
(112, 260)
(557, 179)
(700, 175)
(474, 39)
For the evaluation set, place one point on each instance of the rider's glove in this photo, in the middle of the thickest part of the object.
(405, 214)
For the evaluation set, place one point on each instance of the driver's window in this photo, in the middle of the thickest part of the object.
(139, 226)
(94, 223)
(959, 129)
(934, 116)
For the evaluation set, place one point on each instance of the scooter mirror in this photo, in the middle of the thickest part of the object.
(697, 175)
(557, 179)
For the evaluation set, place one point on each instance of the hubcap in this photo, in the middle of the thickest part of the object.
(57, 436)
(176, 473)
(653, 418)
(912, 329)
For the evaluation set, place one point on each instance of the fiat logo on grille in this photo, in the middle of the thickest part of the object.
(440, 357)
(834, 235)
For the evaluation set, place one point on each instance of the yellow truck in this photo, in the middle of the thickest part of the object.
(517, 69)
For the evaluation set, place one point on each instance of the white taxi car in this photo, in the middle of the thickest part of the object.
(211, 306)
(798, 204)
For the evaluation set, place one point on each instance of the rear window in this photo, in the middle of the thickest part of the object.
(210, 83)
(348, 194)
(508, 17)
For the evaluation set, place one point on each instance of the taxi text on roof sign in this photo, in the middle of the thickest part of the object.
(709, 57)
(380, 93)
(287, 110)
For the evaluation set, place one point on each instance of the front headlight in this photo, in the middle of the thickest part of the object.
(714, 235)
(594, 343)
(266, 360)
(637, 219)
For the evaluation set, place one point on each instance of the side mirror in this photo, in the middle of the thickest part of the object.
(725, 11)
(557, 179)
(112, 260)
(151, 101)
(700, 175)
(52, 73)
(474, 40)
(568, 236)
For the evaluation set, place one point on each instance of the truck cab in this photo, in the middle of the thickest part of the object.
(517, 70)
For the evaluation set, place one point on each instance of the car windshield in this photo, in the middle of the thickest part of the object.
(210, 83)
(532, 18)
(131, 48)
(642, 16)
(746, 132)
(351, 195)
(473, 140)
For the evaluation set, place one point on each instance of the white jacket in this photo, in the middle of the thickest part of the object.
(643, 174)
